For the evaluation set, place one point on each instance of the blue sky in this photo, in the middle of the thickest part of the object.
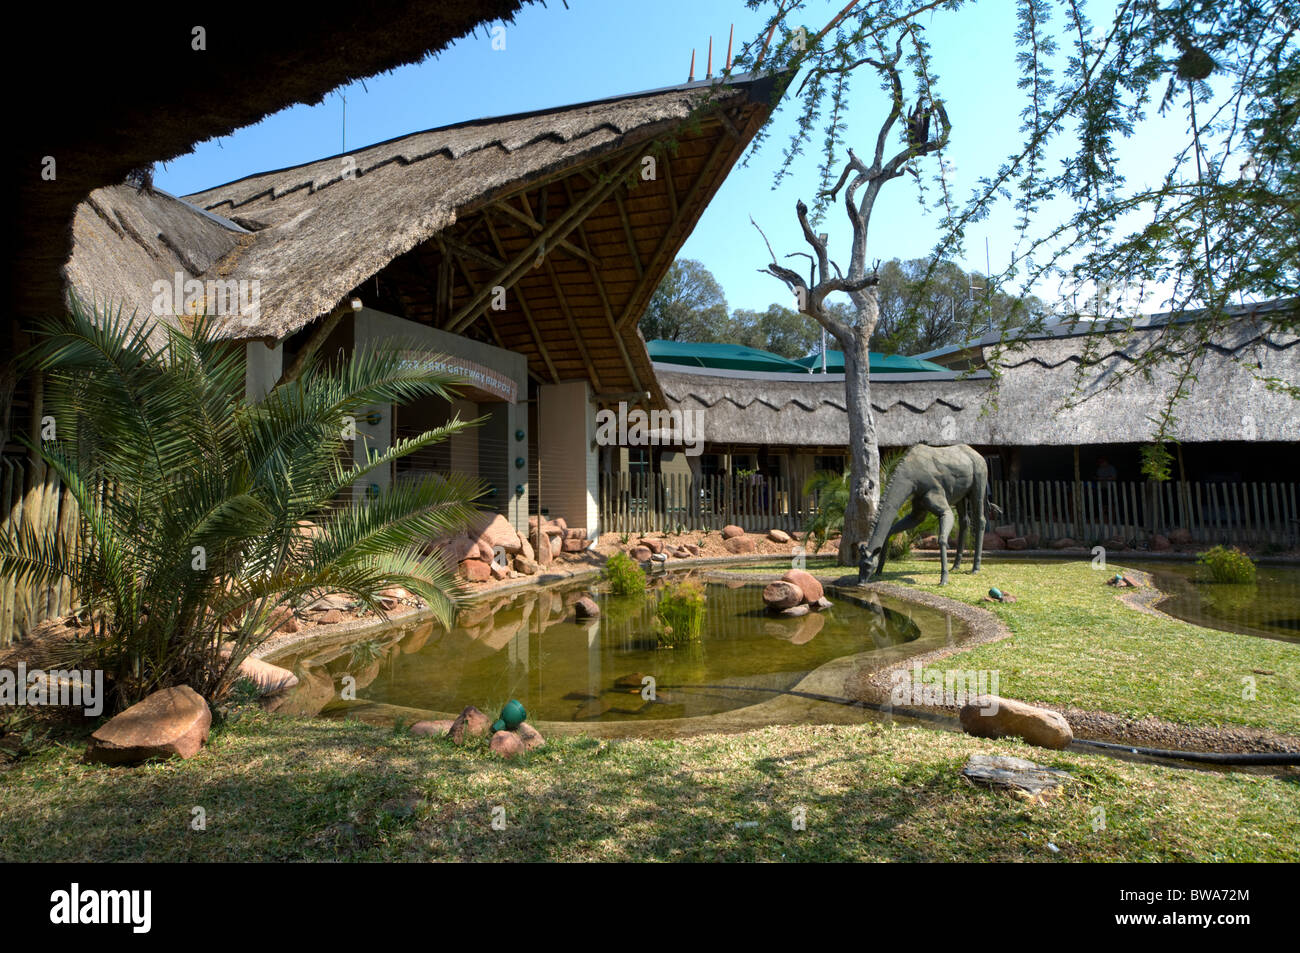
(601, 48)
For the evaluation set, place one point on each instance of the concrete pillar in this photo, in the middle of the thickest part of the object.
(262, 368)
(568, 456)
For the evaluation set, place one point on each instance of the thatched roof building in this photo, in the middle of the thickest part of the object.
(577, 212)
(1025, 404)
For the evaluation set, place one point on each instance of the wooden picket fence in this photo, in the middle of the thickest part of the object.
(35, 498)
(663, 502)
(1246, 513)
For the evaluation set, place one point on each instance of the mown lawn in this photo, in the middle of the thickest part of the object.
(276, 788)
(1076, 644)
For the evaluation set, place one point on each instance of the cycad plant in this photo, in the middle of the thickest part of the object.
(203, 516)
(832, 492)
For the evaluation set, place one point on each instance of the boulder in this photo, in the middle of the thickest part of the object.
(332, 617)
(1006, 532)
(470, 723)
(1038, 726)
(576, 532)
(1032, 540)
(586, 608)
(691, 548)
(542, 550)
(732, 530)
(526, 565)
(812, 589)
(334, 600)
(1160, 544)
(1065, 542)
(640, 553)
(526, 548)
(782, 595)
(476, 570)
(654, 545)
(268, 678)
(498, 571)
(173, 722)
(778, 536)
(494, 530)
(432, 729)
(575, 544)
(530, 736)
(739, 545)
(557, 546)
(1018, 542)
(994, 541)
(506, 744)
(458, 548)
(283, 620)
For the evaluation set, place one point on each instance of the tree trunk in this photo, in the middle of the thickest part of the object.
(864, 454)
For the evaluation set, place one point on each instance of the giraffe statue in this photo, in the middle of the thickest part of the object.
(935, 479)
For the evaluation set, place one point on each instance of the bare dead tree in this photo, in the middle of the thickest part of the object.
(863, 185)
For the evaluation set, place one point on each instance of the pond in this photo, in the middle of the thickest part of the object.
(532, 647)
(1269, 608)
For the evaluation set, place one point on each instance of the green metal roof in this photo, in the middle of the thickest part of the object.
(880, 363)
(729, 356)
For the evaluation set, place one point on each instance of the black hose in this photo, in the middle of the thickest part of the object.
(1203, 757)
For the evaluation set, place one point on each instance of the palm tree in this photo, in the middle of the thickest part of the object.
(203, 516)
(832, 491)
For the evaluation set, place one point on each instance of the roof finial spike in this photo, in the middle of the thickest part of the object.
(709, 73)
(730, 35)
(691, 78)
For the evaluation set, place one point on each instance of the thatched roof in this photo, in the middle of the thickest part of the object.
(154, 96)
(1025, 404)
(422, 226)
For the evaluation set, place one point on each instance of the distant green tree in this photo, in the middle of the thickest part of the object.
(688, 305)
(779, 329)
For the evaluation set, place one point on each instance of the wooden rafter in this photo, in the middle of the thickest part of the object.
(573, 325)
(604, 300)
(527, 219)
(523, 305)
(631, 239)
(555, 231)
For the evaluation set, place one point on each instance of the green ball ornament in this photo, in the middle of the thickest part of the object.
(995, 593)
(513, 714)
(498, 725)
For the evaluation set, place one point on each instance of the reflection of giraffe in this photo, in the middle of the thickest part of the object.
(935, 479)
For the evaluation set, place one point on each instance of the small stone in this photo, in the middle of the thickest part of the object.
(432, 729)
(807, 582)
(1180, 537)
(506, 744)
(1006, 532)
(778, 536)
(989, 716)
(1065, 542)
(498, 571)
(739, 545)
(470, 723)
(1160, 544)
(640, 553)
(795, 612)
(822, 604)
(586, 608)
(475, 570)
(731, 531)
(994, 541)
(1018, 542)
(654, 545)
(332, 617)
(173, 722)
(782, 595)
(530, 736)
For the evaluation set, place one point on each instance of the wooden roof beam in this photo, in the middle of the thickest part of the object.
(523, 306)
(556, 231)
(528, 220)
(573, 325)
